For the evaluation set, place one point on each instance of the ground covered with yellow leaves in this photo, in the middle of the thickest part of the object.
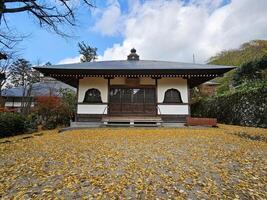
(181, 163)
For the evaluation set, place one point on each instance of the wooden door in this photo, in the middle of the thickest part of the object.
(132, 101)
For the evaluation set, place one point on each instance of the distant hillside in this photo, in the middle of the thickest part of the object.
(247, 52)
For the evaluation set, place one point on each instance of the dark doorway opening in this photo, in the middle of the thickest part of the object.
(132, 101)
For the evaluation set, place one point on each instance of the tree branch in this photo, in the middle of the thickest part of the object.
(19, 9)
(50, 14)
(16, 1)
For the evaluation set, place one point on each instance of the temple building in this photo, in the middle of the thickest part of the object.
(133, 91)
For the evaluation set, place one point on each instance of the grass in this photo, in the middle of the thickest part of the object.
(212, 163)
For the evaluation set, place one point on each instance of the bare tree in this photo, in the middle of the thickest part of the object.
(49, 14)
(2, 100)
(3, 56)
(88, 53)
(5, 64)
(9, 38)
(21, 74)
(3, 72)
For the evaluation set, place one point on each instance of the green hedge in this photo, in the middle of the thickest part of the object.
(248, 108)
(12, 124)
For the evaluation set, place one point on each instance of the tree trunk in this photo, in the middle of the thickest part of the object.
(28, 101)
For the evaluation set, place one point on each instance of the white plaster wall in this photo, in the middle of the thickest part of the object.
(16, 104)
(93, 82)
(173, 109)
(176, 83)
(10, 104)
(92, 109)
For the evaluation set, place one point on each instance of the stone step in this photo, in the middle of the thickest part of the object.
(85, 124)
(129, 125)
(132, 121)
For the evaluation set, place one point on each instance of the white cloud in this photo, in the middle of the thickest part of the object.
(70, 60)
(172, 30)
(110, 22)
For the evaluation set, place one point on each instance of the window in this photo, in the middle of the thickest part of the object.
(92, 96)
(172, 96)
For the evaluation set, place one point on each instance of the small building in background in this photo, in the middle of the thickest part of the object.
(208, 88)
(46, 87)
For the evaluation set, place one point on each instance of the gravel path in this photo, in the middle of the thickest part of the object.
(185, 163)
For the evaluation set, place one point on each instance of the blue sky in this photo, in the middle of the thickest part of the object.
(159, 29)
(46, 46)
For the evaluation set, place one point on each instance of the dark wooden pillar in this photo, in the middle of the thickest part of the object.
(156, 93)
(189, 97)
(77, 98)
(108, 96)
(108, 99)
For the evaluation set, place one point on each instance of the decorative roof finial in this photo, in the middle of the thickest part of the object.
(133, 55)
(133, 50)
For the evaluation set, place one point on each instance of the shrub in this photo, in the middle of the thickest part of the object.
(32, 122)
(11, 124)
(54, 111)
(47, 109)
(251, 71)
(244, 107)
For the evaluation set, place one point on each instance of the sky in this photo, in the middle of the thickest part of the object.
(171, 30)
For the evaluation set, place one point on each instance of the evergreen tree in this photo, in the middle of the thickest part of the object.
(88, 53)
(246, 53)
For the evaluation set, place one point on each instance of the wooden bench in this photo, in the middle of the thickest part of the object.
(193, 121)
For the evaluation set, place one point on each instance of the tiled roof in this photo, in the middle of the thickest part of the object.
(133, 65)
(43, 88)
